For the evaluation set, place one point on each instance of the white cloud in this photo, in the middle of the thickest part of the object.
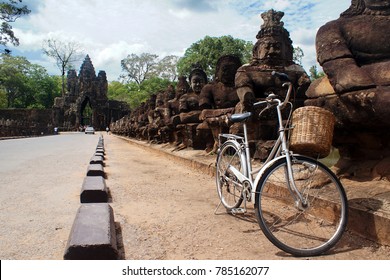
(110, 30)
(279, 5)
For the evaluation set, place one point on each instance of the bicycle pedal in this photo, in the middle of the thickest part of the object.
(235, 211)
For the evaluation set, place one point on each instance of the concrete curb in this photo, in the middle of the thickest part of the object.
(96, 170)
(97, 160)
(93, 234)
(94, 190)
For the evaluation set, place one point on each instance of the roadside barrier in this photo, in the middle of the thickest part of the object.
(93, 235)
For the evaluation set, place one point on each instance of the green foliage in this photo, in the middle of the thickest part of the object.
(134, 94)
(26, 85)
(9, 12)
(139, 68)
(118, 91)
(315, 74)
(298, 55)
(207, 51)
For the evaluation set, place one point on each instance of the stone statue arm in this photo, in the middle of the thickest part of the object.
(245, 92)
(183, 106)
(338, 61)
(206, 97)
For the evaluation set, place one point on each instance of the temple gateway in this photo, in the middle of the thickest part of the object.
(85, 102)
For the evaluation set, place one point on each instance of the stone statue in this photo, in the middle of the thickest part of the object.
(189, 108)
(354, 51)
(273, 51)
(219, 98)
(173, 111)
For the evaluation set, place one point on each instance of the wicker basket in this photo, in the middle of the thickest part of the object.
(313, 131)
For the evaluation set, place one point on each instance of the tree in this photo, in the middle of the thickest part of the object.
(138, 68)
(10, 12)
(26, 85)
(298, 55)
(166, 68)
(207, 51)
(44, 87)
(314, 73)
(13, 80)
(118, 91)
(64, 53)
(133, 93)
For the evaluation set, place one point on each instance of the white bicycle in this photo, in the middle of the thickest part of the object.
(300, 204)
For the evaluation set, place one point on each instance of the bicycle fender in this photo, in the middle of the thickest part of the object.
(234, 143)
(263, 169)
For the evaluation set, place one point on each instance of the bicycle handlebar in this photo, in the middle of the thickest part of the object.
(272, 98)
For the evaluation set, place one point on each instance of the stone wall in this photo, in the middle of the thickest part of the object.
(25, 122)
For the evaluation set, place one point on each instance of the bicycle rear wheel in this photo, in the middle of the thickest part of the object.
(228, 186)
(301, 230)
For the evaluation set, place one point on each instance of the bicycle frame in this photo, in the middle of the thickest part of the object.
(289, 191)
(279, 150)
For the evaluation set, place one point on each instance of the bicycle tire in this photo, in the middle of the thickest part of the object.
(228, 187)
(306, 230)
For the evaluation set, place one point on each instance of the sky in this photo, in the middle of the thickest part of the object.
(108, 31)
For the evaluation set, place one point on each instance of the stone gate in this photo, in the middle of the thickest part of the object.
(85, 102)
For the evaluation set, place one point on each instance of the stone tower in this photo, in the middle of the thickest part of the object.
(86, 102)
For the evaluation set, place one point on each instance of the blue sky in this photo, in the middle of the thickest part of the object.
(110, 30)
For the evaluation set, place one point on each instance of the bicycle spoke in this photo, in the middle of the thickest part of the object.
(228, 187)
(302, 229)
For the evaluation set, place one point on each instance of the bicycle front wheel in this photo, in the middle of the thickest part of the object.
(229, 187)
(302, 229)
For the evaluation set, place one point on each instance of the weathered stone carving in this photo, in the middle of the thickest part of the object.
(354, 51)
(189, 109)
(273, 51)
(87, 91)
(218, 100)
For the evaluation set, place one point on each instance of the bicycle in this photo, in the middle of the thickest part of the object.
(300, 204)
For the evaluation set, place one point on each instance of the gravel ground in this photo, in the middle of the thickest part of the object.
(165, 210)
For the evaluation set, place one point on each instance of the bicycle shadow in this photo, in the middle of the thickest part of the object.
(362, 230)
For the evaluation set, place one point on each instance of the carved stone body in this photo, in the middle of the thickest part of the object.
(272, 52)
(354, 52)
(218, 100)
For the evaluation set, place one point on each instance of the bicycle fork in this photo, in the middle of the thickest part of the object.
(300, 202)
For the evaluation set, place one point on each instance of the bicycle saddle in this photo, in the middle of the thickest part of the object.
(235, 118)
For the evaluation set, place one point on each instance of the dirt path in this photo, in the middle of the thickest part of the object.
(165, 210)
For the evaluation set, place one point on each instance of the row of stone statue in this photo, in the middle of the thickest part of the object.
(354, 51)
(189, 115)
(193, 114)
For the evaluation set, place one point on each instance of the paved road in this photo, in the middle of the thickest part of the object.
(41, 179)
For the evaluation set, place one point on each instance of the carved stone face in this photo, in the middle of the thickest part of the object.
(197, 83)
(270, 49)
(227, 72)
(377, 4)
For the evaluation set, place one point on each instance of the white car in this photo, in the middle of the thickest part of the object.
(89, 130)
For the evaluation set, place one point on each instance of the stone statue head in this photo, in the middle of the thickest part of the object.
(198, 79)
(359, 7)
(182, 86)
(226, 69)
(160, 99)
(170, 92)
(273, 45)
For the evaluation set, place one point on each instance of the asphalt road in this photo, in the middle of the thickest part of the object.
(41, 179)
